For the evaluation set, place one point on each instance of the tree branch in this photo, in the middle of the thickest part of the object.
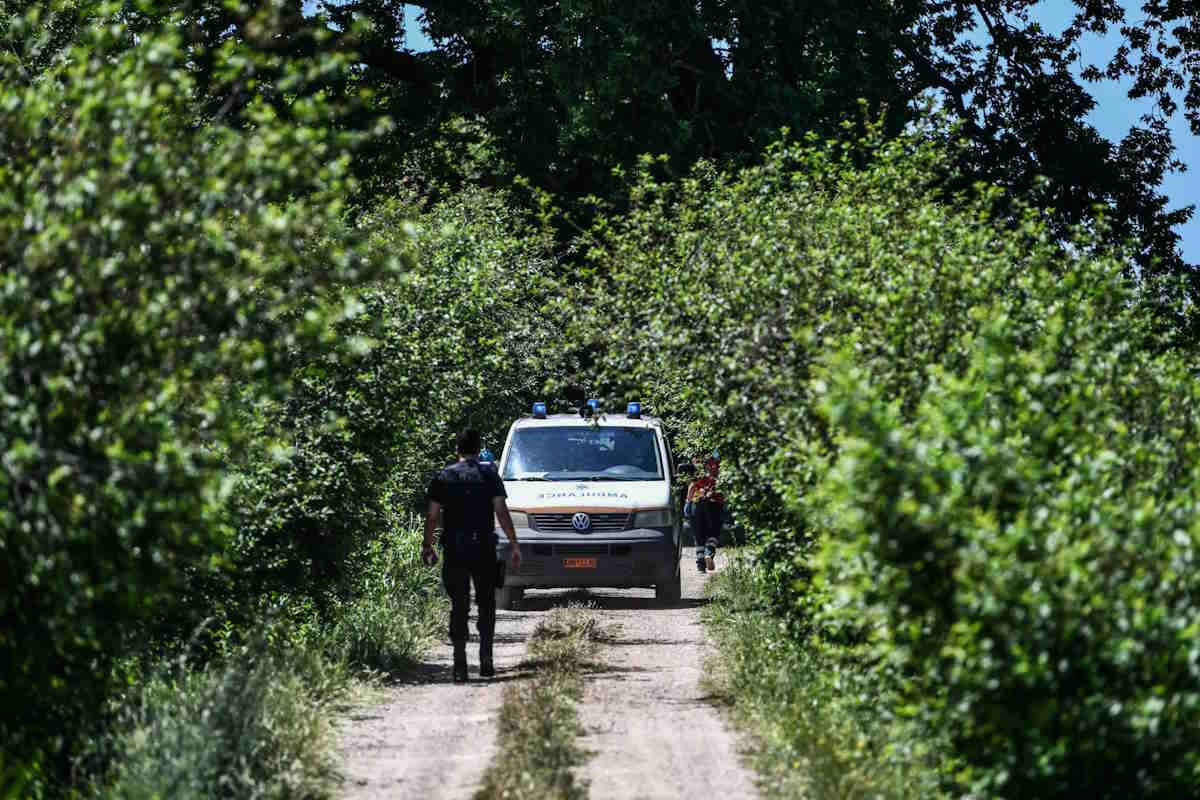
(933, 78)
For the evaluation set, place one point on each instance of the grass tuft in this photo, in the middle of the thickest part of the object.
(539, 724)
(254, 724)
(820, 727)
(397, 609)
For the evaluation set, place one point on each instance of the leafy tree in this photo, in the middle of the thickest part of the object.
(570, 91)
(969, 468)
(465, 337)
(157, 268)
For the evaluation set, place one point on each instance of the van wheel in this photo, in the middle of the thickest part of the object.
(670, 591)
(508, 597)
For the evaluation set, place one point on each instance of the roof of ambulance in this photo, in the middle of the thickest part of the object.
(574, 420)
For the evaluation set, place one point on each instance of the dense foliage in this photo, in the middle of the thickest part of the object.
(152, 264)
(1022, 550)
(242, 311)
(571, 93)
(464, 337)
(984, 459)
(220, 384)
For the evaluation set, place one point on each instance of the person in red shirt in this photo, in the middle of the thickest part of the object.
(707, 505)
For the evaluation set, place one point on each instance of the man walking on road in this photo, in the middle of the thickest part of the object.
(470, 496)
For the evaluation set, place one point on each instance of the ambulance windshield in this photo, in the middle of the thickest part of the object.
(583, 453)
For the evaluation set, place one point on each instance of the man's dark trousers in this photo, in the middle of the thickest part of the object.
(457, 579)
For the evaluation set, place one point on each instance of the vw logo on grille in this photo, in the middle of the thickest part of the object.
(581, 521)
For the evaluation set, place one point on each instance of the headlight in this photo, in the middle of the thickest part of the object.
(657, 518)
(519, 519)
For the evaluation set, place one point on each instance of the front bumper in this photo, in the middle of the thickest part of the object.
(638, 557)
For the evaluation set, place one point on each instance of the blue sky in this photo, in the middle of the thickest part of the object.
(1113, 115)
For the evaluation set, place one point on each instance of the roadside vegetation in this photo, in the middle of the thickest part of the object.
(254, 722)
(243, 310)
(537, 747)
(818, 728)
(967, 454)
(252, 716)
(223, 388)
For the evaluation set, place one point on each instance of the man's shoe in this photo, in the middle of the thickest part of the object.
(486, 667)
(460, 664)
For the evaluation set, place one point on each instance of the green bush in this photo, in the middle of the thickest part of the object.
(465, 337)
(218, 392)
(969, 463)
(728, 290)
(253, 724)
(20, 781)
(396, 608)
(158, 265)
(1022, 552)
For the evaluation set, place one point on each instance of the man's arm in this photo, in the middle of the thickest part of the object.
(501, 507)
(432, 515)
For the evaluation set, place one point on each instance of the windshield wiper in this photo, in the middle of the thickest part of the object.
(529, 478)
(567, 477)
(611, 478)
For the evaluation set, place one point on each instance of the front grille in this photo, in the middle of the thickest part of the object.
(620, 550)
(606, 522)
(532, 568)
(580, 549)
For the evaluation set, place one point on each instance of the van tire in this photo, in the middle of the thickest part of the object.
(509, 597)
(669, 592)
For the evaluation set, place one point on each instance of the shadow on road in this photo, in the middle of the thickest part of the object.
(432, 672)
(426, 673)
(620, 642)
(419, 674)
(607, 602)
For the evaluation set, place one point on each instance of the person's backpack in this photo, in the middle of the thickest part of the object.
(465, 544)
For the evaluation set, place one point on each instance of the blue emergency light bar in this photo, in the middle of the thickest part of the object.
(539, 410)
(633, 410)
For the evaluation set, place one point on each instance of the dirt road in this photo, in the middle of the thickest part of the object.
(647, 723)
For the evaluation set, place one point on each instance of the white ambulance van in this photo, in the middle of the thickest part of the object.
(593, 503)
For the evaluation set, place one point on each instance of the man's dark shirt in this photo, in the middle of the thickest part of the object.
(465, 490)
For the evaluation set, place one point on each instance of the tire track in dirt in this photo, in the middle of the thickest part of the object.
(648, 726)
(432, 738)
(651, 729)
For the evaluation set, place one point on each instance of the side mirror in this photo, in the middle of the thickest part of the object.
(685, 468)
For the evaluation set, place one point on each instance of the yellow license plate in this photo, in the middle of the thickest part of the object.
(579, 563)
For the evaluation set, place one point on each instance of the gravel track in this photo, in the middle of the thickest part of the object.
(648, 726)
(432, 738)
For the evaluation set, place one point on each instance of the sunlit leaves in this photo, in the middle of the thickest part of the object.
(158, 268)
(969, 464)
